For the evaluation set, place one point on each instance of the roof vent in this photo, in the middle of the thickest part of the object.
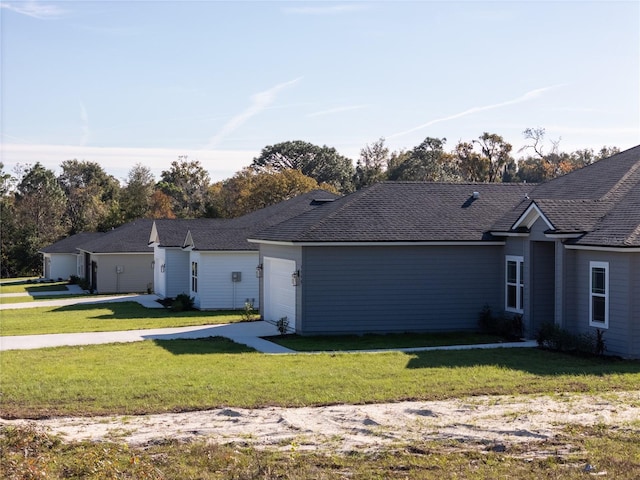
(476, 195)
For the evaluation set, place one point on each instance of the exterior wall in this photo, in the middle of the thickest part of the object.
(59, 265)
(635, 306)
(177, 272)
(216, 290)
(291, 253)
(621, 337)
(136, 275)
(398, 289)
(159, 277)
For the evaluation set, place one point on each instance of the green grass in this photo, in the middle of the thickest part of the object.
(182, 375)
(32, 453)
(32, 287)
(330, 343)
(104, 317)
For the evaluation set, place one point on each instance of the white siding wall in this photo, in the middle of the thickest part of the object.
(216, 290)
(159, 277)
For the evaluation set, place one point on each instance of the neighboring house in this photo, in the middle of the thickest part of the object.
(62, 259)
(222, 263)
(171, 274)
(398, 257)
(120, 260)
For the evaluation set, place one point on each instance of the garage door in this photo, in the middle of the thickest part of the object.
(279, 293)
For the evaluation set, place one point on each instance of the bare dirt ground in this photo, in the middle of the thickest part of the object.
(487, 420)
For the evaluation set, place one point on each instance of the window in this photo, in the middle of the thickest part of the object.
(514, 293)
(194, 276)
(599, 294)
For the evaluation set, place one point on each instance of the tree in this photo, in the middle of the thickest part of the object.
(249, 190)
(324, 164)
(472, 166)
(496, 152)
(91, 193)
(38, 216)
(426, 162)
(187, 183)
(160, 205)
(136, 196)
(370, 167)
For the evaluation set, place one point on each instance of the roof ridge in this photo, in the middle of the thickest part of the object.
(633, 237)
(630, 179)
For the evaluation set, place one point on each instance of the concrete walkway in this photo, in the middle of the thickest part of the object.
(148, 301)
(245, 333)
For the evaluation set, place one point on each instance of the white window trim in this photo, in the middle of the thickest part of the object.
(605, 266)
(194, 277)
(519, 300)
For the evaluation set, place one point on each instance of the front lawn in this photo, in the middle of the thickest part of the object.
(104, 317)
(183, 375)
(330, 343)
(30, 287)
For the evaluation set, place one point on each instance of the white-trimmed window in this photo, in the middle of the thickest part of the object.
(514, 289)
(194, 276)
(599, 294)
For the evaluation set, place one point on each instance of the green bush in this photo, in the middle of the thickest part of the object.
(182, 303)
(508, 327)
(553, 337)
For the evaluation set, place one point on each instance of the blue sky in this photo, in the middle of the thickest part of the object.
(123, 82)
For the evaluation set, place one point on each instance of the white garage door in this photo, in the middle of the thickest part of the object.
(279, 293)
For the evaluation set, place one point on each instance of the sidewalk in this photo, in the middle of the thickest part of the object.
(245, 333)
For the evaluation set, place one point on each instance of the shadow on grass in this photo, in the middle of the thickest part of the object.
(55, 287)
(132, 310)
(203, 346)
(531, 360)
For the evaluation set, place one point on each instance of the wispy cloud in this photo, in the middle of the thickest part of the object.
(325, 9)
(333, 111)
(33, 9)
(524, 98)
(84, 119)
(259, 102)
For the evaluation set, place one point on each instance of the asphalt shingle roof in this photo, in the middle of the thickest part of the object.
(600, 203)
(601, 200)
(171, 231)
(232, 234)
(132, 237)
(404, 212)
(71, 243)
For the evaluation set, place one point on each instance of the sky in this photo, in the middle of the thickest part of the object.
(127, 82)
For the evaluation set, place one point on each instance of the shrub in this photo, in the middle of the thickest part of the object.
(508, 327)
(283, 325)
(553, 337)
(182, 303)
(74, 280)
(248, 312)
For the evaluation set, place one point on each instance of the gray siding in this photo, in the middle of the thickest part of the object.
(177, 272)
(543, 292)
(620, 338)
(384, 289)
(635, 305)
(136, 275)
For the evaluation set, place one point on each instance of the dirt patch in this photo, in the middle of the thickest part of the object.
(493, 421)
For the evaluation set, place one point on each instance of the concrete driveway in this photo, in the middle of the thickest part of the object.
(246, 333)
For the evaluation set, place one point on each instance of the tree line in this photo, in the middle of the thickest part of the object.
(38, 207)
